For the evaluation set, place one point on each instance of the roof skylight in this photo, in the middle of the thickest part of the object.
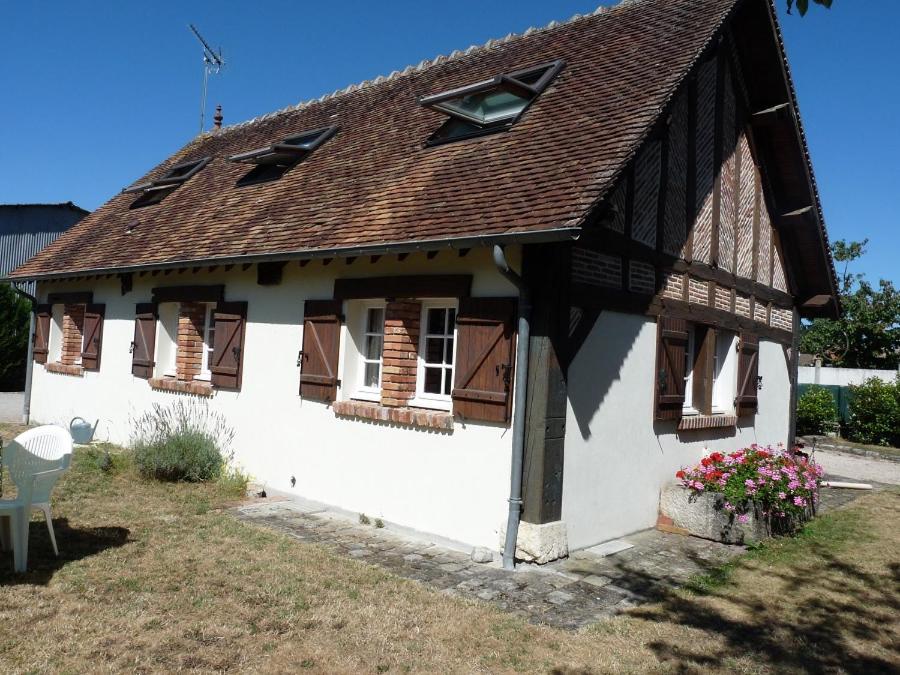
(154, 191)
(273, 161)
(490, 105)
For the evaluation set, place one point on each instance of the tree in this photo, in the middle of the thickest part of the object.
(14, 322)
(803, 5)
(868, 333)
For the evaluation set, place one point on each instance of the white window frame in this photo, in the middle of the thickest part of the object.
(205, 374)
(422, 398)
(724, 373)
(361, 391)
(689, 357)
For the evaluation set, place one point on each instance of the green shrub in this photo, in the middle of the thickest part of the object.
(185, 441)
(816, 411)
(875, 413)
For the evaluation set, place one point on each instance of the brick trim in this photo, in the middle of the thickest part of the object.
(181, 387)
(64, 369)
(692, 422)
(412, 417)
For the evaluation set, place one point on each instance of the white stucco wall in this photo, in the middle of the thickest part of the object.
(453, 485)
(842, 377)
(616, 457)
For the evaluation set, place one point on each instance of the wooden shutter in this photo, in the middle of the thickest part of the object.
(746, 402)
(671, 347)
(321, 344)
(226, 360)
(143, 349)
(92, 342)
(485, 359)
(41, 335)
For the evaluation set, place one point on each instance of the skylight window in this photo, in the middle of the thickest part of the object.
(490, 105)
(273, 161)
(154, 191)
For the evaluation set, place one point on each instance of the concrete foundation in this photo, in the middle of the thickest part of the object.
(702, 516)
(540, 543)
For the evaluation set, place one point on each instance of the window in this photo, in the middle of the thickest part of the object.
(369, 317)
(434, 381)
(167, 339)
(209, 340)
(273, 161)
(712, 349)
(153, 192)
(491, 105)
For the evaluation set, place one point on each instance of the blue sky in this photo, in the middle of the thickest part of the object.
(97, 93)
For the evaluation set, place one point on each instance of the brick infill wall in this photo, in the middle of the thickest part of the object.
(189, 356)
(401, 345)
(72, 334)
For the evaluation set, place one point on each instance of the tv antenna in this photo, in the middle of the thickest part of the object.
(212, 64)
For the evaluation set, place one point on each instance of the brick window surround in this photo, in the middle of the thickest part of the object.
(188, 354)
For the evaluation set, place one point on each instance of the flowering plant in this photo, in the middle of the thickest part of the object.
(780, 486)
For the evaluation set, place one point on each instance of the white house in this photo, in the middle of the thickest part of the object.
(347, 281)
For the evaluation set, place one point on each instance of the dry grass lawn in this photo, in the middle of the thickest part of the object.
(156, 577)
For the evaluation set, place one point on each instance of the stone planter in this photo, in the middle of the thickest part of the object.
(703, 516)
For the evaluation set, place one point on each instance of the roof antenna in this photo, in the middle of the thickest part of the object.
(212, 63)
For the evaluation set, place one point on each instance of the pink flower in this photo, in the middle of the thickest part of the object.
(743, 519)
(799, 501)
(782, 495)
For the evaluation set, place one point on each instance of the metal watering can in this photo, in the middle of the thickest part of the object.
(82, 431)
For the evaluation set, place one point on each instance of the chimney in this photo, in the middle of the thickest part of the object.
(217, 118)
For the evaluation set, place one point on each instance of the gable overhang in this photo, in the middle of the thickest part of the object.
(782, 153)
(554, 235)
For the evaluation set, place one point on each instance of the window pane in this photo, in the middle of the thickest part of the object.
(436, 318)
(375, 322)
(448, 382)
(448, 351)
(487, 107)
(434, 350)
(373, 347)
(433, 380)
(451, 320)
(373, 371)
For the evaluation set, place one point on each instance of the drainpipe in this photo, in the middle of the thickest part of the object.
(521, 384)
(29, 364)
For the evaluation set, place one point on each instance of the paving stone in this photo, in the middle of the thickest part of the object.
(596, 580)
(595, 587)
(559, 597)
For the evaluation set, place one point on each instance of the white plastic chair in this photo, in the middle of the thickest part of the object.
(35, 459)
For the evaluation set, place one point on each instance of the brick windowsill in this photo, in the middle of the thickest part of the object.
(63, 369)
(692, 422)
(428, 419)
(182, 386)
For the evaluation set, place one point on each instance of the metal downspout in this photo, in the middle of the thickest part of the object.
(519, 403)
(29, 364)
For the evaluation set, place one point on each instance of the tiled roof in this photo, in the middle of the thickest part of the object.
(375, 183)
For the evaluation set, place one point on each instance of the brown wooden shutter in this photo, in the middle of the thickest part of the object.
(143, 349)
(321, 344)
(41, 335)
(746, 402)
(92, 342)
(672, 342)
(226, 360)
(485, 359)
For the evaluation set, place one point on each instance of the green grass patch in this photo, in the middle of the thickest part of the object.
(827, 534)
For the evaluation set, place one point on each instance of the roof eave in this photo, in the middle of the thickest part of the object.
(552, 235)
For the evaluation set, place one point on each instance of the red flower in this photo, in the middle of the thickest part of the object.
(717, 457)
(762, 454)
(679, 474)
(705, 461)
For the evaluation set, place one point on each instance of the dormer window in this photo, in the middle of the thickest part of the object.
(491, 105)
(273, 161)
(154, 191)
